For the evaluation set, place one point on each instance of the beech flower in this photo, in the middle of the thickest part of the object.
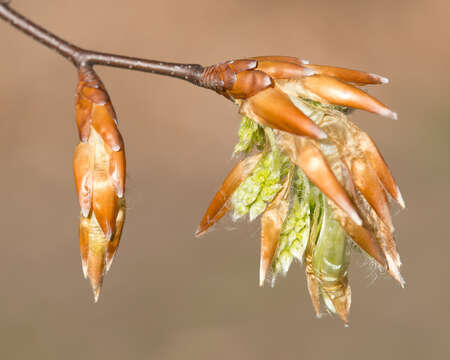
(318, 181)
(99, 169)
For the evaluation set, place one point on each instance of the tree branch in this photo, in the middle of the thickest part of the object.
(82, 57)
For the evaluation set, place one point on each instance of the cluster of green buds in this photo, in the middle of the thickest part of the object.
(319, 182)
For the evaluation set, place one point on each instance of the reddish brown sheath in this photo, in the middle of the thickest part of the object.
(105, 206)
(348, 75)
(114, 243)
(313, 285)
(284, 70)
(83, 176)
(376, 161)
(241, 65)
(106, 127)
(280, 58)
(83, 111)
(96, 96)
(271, 223)
(367, 182)
(249, 83)
(219, 206)
(364, 239)
(339, 93)
(278, 111)
(316, 168)
(84, 243)
(117, 170)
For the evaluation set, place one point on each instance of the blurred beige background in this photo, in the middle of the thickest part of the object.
(170, 295)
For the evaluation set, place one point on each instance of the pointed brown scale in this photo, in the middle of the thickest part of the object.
(117, 170)
(313, 285)
(278, 111)
(227, 75)
(111, 112)
(96, 257)
(84, 243)
(342, 301)
(348, 75)
(105, 125)
(284, 70)
(249, 83)
(364, 239)
(376, 161)
(83, 176)
(105, 200)
(220, 204)
(311, 160)
(387, 243)
(339, 93)
(83, 110)
(105, 207)
(367, 182)
(271, 224)
(280, 58)
(241, 65)
(95, 95)
(114, 244)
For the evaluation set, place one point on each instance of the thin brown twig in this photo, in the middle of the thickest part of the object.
(82, 57)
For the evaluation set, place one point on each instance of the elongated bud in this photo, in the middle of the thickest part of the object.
(99, 169)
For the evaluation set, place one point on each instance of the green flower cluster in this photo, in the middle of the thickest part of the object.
(259, 189)
(296, 228)
(250, 134)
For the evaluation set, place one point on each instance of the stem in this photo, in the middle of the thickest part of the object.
(82, 57)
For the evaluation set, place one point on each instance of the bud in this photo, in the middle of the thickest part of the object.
(99, 170)
(320, 182)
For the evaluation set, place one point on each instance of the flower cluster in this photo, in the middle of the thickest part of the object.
(317, 180)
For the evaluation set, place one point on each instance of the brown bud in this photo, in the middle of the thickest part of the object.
(99, 170)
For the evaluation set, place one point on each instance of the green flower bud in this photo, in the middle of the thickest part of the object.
(250, 134)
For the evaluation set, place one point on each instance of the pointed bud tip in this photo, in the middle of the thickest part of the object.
(199, 232)
(96, 295)
(399, 198)
(85, 212)
(355, 217)
(322, 135)
(262, 276)
(309, 72)
(388, 113)
(381, 79)
(84, 267)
